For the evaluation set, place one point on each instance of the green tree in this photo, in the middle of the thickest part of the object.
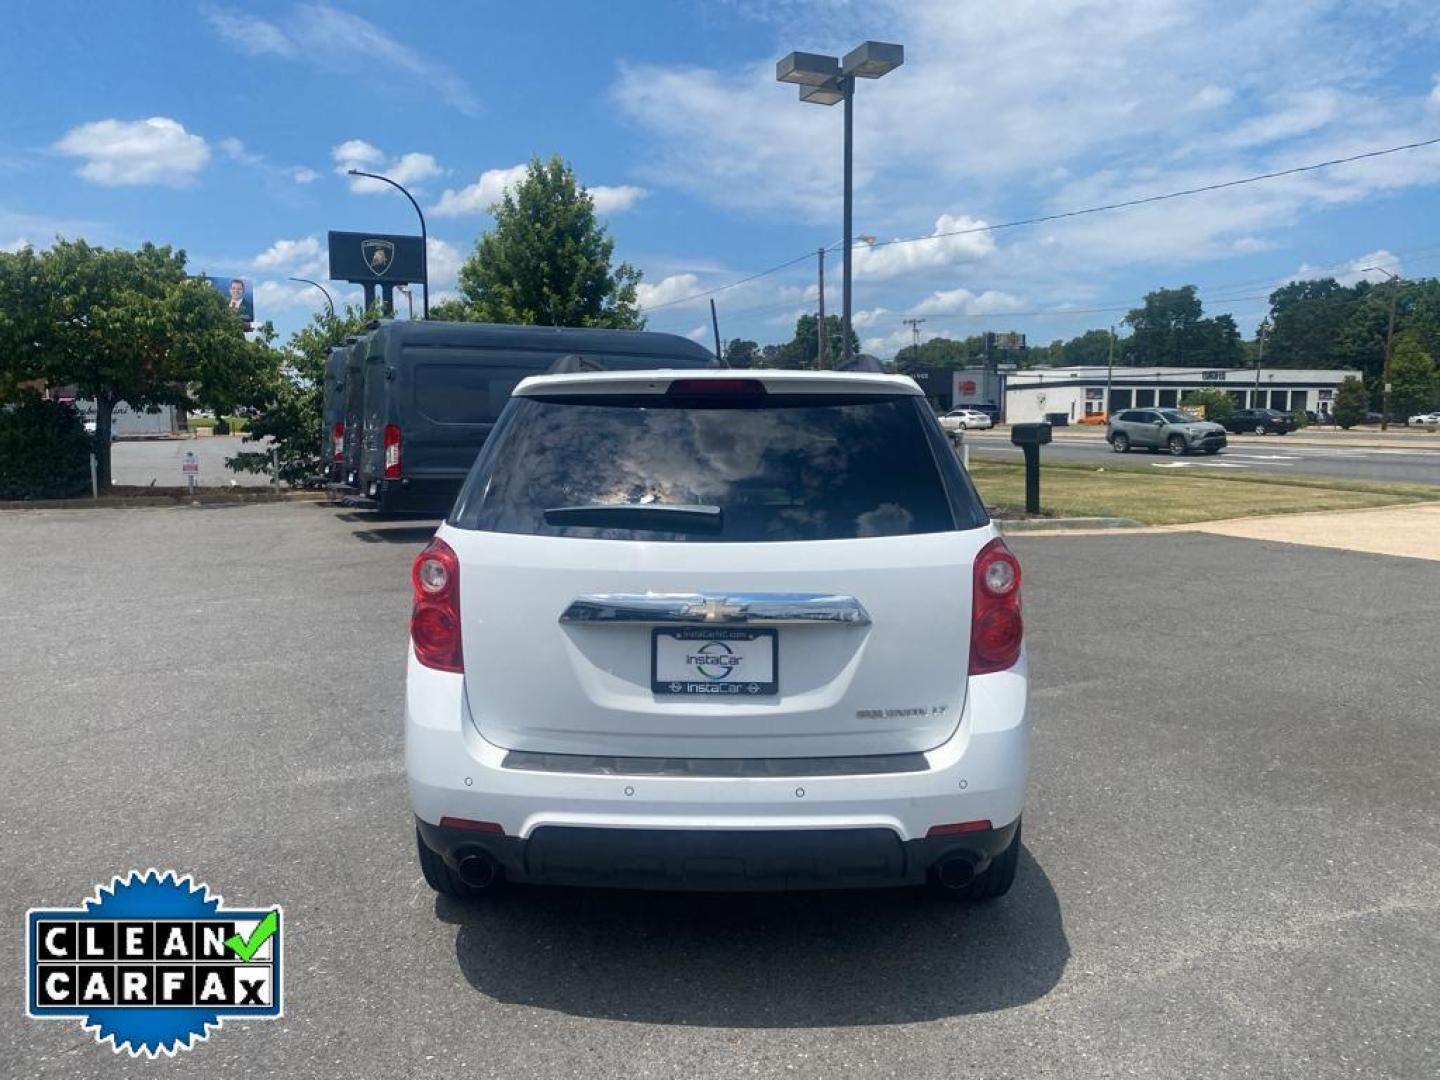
(1171, 329)
(547, 261)
(803, 350)
(942, 352)
(1218, 405)
(122, 326)
(1092, 348)
(740, 353)
(1352, 402)
(1414, 383)
(291, 409)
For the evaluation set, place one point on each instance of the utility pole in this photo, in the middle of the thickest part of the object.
(1389, 347)
(1259, 357)
(823, 331)
(914, 325)
(1109, 374)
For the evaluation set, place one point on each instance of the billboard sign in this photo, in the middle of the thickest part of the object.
(238, 294)
(376, 258)
(1007, 342)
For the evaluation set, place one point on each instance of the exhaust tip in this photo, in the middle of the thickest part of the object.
(477, 870)
(956, 872)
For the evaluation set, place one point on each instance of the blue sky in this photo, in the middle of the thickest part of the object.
(220, 128)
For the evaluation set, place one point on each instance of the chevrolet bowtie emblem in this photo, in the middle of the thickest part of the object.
(716, 609)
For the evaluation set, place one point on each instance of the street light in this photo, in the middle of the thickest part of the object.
(328, 301)
(409, 297)
(826, 80)
(424, 242)
(1389, 343)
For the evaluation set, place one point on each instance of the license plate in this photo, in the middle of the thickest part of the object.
(714, 662)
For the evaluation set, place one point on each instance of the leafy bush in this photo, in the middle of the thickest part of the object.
(44, 450)
(1218, 405)
(1301, 418)
(1352, 403)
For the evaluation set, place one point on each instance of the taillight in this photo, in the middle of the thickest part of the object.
(435, 617)
(996, 628)
(337, 441)
(392, 451)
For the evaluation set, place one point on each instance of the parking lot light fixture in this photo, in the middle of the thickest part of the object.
(807, 69)
(824, 80)
(424, 236)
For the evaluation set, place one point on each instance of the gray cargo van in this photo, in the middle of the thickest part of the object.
(354, 398)
(433, 390)
(332, 409)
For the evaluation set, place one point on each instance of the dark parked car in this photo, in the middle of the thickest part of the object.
(1260, 422)
(431, 392)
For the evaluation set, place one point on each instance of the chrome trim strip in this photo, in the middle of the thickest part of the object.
(618, 765)
(766, 609)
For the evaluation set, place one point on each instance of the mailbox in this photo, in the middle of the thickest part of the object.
(1029, 434)
(1030, 437)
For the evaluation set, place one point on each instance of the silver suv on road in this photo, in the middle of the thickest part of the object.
(1175, 430)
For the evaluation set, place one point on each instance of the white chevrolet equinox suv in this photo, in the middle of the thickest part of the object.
(717, 630)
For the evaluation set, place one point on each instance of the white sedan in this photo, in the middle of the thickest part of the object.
(960, 419)
(1425, 418)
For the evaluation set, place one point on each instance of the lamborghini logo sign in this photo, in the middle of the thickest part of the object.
(378, 254)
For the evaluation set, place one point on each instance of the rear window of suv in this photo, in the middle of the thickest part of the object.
(788, 467)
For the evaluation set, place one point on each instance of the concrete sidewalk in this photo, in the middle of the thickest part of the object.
(1412, 531)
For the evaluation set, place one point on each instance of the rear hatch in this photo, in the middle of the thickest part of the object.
(691, 568)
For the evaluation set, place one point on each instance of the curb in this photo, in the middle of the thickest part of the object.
(143, 501)
(1024, 525)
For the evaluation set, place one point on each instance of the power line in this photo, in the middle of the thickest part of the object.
(1041, 219)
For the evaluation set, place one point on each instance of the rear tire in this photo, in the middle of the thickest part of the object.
(1177, 445)
(1259, 429)
(440, 877)
(1120, 443)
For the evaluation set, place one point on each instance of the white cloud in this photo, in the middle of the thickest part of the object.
(1360, 268)
(445, 260)
(1212, 97)
(236, 150)
(477, 198)
(1294, 114)
(122, 152)
(407, 169)
(289, 255)
(962, 301)
(249, 34)
(18, 244)
(615, 200)
(891, 260)
(700, 333)
(861, 320)
(666, 290)
(317, 33)
(486, 191)
(1435, 94)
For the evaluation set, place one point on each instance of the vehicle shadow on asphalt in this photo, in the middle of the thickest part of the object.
(390, 528)
(782, 960)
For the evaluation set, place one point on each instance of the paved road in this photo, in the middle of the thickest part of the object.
(140, 461)
(1268, 454)
(1232, 860)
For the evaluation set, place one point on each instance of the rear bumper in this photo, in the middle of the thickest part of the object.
(416, 495)
(729, 860)
(669, 830)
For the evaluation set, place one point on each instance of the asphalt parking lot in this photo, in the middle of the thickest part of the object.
(1232, 860)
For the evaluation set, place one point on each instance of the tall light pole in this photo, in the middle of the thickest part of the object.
(822, 359)
(1389, 345)
(424, 240)
(328, 301)
(409, 297)
(826, 80)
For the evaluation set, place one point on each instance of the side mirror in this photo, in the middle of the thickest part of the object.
(1159, 423)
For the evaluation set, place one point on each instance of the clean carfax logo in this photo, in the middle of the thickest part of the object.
(152, 962)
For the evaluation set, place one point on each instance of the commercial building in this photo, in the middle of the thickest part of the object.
(1078, 392)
